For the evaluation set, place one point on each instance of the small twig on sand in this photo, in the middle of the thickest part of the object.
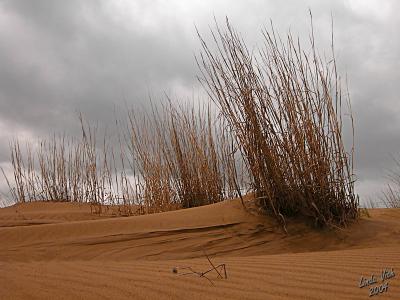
(203, 274)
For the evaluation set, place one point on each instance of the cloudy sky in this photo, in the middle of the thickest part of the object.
(60, 57)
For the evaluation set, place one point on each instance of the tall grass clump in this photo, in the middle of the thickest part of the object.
(184, 158)
(283, 105)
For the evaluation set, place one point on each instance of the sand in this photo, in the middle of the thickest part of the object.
(63, 251)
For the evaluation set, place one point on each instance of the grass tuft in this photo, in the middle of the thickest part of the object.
(283, 105)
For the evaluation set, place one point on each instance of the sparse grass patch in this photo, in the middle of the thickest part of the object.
(175, 158)
(391, 196)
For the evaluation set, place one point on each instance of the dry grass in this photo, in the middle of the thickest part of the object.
(68, 169)
(179, 158)
(391, 196)
(284, 107)
(168, 160)
(280, 126)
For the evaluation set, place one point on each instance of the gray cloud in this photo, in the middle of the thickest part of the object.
(58, 57)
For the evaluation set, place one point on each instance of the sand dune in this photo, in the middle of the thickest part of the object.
(62, 251)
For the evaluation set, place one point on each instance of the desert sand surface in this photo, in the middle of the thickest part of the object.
(63, 251)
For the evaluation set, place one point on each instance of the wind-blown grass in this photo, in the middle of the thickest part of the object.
(184, 158)
(280, 118)
(283, 105)
(65, 169)
(391, 195)
(177, 158)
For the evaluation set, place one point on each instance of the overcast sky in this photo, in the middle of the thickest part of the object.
(60, 57)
